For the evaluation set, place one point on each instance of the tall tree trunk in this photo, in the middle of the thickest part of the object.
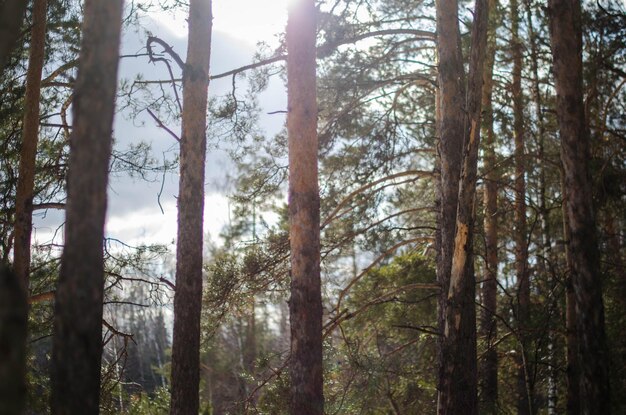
(571, 337)
(30, 137)
(450, 107)
(188, 295)
(547, 258)
(13, 322)
(11, 19)
(77, 344)
(524, 395)
(566, 40)
(305, 305)
(488, 370)
(458, 393)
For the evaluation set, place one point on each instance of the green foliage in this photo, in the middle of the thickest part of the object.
(383, 356)
(143, 404)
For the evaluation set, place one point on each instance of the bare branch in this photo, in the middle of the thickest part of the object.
(68, 65)
(166, 48)
(50, 205)
(117, 332)
(161, 125)
(38, 298)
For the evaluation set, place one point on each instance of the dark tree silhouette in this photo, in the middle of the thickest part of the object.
(593, 358)
(77, 344)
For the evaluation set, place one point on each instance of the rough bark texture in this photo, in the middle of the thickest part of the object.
(77, 344)
(28, 151)
(524, 397)
(13, 322)
(593, 357)
(450, 107)
(188, 296)
(11, 19)
(305, 304)
(488, 368)
(571, 338)
(459, 387)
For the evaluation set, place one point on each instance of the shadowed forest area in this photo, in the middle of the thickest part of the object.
(436, 226)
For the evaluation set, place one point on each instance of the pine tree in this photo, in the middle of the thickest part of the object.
(77, 348)
(305, 304)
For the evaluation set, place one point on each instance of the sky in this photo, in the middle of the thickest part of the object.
(134, 214)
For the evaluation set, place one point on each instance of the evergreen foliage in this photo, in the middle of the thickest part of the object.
(378, 165)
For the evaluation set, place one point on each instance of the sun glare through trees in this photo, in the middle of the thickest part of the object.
(312, 207)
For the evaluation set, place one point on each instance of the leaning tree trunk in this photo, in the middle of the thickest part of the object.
(488, 370)
(185, 386)
(77, 344)
(458, 393)
(305, 305)
(30, 137)
(593, 357)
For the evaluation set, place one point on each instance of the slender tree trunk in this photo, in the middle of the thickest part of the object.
(458, 392)
(524, 388)
(11, 19)
(77, 344)
(185, 387)
(547, 259)
(13, 322)
(488, 370)
(593, 357)
(249, 355)
(305, 305)
(30, 137)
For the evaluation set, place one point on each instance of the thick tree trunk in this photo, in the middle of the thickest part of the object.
(77, 344)
(488, 369)
(566, 39)
(13, 322)
(524, 384)
(450, 107)
(30, 137)
(11, 19)
(571, 338)
(458, 393)
(185, 386)
(305, 305)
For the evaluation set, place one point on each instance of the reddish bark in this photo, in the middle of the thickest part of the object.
(305, 305)
(30, 137)
(185, 384)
